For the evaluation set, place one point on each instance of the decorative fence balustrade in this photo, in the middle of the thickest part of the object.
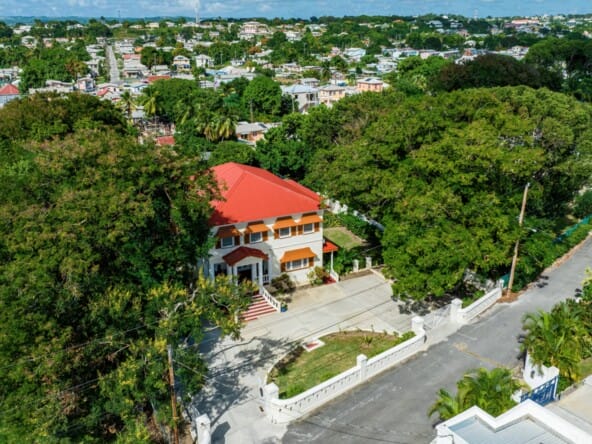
(285, 410)
(270, 299)
(464, 315)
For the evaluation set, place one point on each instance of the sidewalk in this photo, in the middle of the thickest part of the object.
(237, 369)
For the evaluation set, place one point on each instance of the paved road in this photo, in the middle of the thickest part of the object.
(113, 69)
(393, 407)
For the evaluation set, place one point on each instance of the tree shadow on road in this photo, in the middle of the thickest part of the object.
(235, 375)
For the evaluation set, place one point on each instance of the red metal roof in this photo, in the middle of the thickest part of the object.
(240, 253)
(251, 194)
(165, 140)
(152, 79)
(329, 247)
(9, 90)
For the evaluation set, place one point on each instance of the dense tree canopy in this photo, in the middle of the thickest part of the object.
(99, 240)
(445, 175)
(496, 70)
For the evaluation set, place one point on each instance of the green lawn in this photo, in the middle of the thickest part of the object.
(302, 370)
(342, 237)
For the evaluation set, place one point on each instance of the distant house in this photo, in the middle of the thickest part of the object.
(369, 84)
(182, 63)
(354, 54)
(7, 93)
(85, 84)
(330, 94)
(264, 226)
(203, 61)
(251, 132)
(304, 97)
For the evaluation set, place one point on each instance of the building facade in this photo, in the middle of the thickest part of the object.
(264, 226)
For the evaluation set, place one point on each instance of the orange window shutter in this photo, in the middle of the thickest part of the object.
(276, 234)
(317, 226)
(310, 261)
(218, 243)
(236, 240)
(265, 234)
(283, 267)
(294, 231)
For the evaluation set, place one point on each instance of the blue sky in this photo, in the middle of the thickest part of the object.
(288, 8)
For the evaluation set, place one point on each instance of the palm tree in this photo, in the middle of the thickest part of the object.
(127, 103)
(557, 338)
(151, 102)
(490, 390)
(219, 127)
(448, 406)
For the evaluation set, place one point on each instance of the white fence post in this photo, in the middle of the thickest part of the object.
(204, 435)
(455, 311)
(417, 325)
(356, 266)
(368, 262)
(270, 393)
(362, 361)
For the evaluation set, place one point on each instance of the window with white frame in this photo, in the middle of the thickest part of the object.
(255, 237)
(297, 264)
(227, 242)
(284, 232)
(308, 228)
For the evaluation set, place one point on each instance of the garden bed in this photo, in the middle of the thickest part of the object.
(300, 370)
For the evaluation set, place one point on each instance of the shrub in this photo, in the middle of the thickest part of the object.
(583, 204)
(317, 276)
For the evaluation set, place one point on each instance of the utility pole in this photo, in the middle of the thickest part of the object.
(515, 258)
(173, 395)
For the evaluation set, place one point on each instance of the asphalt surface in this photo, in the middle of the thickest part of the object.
(393, 407)
(112, 61)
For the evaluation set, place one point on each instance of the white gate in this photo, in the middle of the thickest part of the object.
(436, 318)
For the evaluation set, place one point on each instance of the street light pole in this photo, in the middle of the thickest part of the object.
(515, 258)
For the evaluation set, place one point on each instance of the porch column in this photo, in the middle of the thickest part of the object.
(259, 266)
(229, 270)
(332, 261)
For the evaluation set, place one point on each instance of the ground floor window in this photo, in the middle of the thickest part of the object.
(299, 264)
(220, 268)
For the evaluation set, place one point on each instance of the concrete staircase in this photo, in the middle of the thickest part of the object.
(259, 307)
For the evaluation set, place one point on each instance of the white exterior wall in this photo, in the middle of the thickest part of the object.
(275, 249)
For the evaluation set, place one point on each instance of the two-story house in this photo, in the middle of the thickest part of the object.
(264, 226)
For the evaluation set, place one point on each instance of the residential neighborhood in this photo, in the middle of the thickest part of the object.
(254, 228)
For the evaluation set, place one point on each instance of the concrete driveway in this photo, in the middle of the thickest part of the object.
(237, 369)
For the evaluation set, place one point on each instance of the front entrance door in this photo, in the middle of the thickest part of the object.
(244, 273)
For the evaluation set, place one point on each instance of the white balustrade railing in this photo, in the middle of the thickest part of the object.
(334, 275)
(285, 410)
(270, 299)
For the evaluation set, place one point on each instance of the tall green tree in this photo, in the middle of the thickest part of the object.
(264, 96)
(99, 241)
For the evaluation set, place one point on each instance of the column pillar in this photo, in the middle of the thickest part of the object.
(455, 311)
(259, 266)
(362, 360)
